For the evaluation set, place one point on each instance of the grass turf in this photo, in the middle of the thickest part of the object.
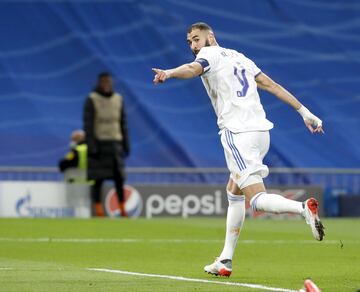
(38, 254)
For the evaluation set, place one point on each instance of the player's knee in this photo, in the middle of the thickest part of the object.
(253, 189)
(233, 188)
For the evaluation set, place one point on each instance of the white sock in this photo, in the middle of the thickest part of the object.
(234, 221)
(275, 204)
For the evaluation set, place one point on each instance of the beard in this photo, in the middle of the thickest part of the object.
(207, 44)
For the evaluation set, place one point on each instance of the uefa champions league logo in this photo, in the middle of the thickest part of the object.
(133, 202)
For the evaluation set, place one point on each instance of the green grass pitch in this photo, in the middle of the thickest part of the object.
(55, 254)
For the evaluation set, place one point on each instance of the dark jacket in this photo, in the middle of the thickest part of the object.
(69, 161)
(104, 155)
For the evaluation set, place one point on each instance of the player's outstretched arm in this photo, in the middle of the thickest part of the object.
(312, 122)
(185, 71)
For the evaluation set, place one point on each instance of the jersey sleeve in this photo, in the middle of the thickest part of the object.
(255, 69)
(207, 59)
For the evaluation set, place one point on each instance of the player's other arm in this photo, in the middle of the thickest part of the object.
(312, 122)
(185, 71)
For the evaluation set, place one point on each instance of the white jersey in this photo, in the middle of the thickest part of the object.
(229, 79)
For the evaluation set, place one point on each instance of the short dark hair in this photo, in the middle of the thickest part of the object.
(199, 25)
(104, 74)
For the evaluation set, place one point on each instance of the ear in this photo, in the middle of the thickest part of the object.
(211, 38)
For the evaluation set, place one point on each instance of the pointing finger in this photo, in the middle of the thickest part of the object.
(156, 70)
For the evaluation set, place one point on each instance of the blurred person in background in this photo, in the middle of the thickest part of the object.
(74, 164)
(107, 139)
(232, 81)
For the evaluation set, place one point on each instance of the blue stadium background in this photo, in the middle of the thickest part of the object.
(51, 52)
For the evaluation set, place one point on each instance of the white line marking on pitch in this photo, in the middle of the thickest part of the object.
(144, 240)
(254, 286)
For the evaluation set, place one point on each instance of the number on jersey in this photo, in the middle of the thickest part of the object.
(243, 82)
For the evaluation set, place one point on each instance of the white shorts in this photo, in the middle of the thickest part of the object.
(244, 154)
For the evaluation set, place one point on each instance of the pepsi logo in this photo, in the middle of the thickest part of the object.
(133, 202)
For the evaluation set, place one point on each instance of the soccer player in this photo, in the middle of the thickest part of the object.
(231, 81)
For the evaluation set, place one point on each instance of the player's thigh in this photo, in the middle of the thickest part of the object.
(244, 154)
(264, 143)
